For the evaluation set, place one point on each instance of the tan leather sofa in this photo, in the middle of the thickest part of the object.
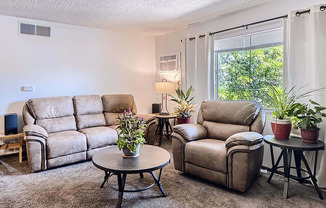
(225, 146)
(64, 130)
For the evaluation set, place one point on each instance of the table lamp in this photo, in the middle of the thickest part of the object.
(164, 87)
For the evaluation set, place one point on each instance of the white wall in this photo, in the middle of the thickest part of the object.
(167, 43)
(74, 61)
(170, 44)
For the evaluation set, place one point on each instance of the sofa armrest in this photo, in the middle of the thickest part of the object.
(35, 130)
(244, 139)
(35, 137)
(190, 132)
(147, 117)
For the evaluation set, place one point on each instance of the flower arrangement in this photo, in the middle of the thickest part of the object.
(131, 132)
(185, 108)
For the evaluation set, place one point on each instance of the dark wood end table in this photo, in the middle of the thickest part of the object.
(150, 158)
(164, 120)
(297, 146)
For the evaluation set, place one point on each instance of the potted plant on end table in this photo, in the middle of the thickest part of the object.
(131, 134)
(185, 107)
(281, 102)
(309, 117)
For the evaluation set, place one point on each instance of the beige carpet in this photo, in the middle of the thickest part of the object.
(78, 186)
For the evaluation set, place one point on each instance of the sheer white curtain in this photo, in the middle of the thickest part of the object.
(196, 70)
(306, 63)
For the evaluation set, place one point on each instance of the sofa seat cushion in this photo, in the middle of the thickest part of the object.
(65, 143)
(207, 153)
(99, 136)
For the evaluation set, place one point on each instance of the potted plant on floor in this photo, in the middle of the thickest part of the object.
(185, 107)
(131, 134)
(309, 117)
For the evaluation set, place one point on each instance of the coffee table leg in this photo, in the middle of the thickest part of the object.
(314, 181)
(158, 182)
(121, 183)
(274, 168)
(107, 175)
(141, 175)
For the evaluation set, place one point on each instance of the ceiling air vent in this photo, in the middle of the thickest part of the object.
(29, 29)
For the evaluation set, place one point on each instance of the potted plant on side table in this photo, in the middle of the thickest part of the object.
(281, 102)
(309, 117)
(131, 134)
(185, 107)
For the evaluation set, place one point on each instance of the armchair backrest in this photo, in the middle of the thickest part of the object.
(225, 118)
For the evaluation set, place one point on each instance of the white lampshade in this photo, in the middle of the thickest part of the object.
(164, 87)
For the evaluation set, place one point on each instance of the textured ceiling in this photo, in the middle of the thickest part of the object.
(149, 17)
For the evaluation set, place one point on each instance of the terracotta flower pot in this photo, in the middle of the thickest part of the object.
(183, 120)
(281, 128)
(310, 135)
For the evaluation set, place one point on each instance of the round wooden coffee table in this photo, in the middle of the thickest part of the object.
(150, 158)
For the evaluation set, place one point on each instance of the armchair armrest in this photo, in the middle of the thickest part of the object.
(35, 130)
(190, 132)
(147, 117)
(244, 139)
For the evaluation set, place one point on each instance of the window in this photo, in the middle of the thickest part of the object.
(245, 66)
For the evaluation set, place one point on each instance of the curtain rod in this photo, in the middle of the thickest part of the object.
(250, 24)
(322, 8)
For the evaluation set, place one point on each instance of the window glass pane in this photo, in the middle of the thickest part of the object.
(247, 73)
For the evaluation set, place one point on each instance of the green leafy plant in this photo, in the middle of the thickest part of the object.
(309, 115)
(185, 108)
(283, 102)
(131, 131)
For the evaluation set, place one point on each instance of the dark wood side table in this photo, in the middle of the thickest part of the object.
(150, 158)
(297, 146)
(164, 120)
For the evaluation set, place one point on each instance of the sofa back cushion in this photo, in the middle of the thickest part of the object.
(52, 107)
(229, 112)
(54, 113)
(89, 111)
(115, 105)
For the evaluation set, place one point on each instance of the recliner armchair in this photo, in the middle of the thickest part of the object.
(225, 146)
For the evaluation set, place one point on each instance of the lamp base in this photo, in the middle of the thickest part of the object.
(164, 114)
